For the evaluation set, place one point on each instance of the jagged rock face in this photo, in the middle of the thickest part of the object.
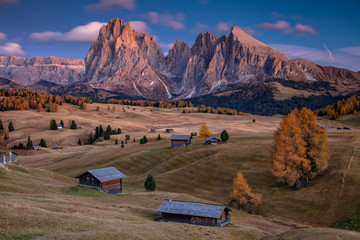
(126, 61)
(176, 61)
(123, 60)
(30, 70)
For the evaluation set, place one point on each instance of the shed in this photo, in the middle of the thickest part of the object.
(36, 147)
(180, 140)
(108, 179)
(153, 130)
(169, 130)
(57, 147)
(59, 126)
(7, 157)
(194, 213)
(323, 126)
(213, 140)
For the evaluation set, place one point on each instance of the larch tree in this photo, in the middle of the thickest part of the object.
(204, 131)
(241, 195)
(299, 151)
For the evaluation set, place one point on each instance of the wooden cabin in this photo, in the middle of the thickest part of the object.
(180, 140)
(108, 179)
(169, 130)
(7, 157)
(213, 140)
(194, 213)
(153, 130)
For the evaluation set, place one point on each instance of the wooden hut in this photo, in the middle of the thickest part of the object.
(213, 140)
(153, 130)
(7, 157)
(106, 179)
(169, 130)
(180, 140)
(194, 213)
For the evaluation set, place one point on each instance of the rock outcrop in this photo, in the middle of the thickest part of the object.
(27, 71)
(123, 60)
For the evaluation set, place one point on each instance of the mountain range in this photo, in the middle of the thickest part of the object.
(124, 61)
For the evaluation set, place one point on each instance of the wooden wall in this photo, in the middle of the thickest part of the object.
(112, 186)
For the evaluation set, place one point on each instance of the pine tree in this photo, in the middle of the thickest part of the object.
(116, 142)
(11, 127)
(159, 138)
(53, 125)
(29, 144)
(107, 135)
(150, 183)
(127, 137)
(241, 195)
(118, 131)
(224, 136)
(42, 143)
(62, 123)
(108, 130)
(101, 131)
(122, 144)
(1, 125)
(141, 141)
(79, 142)
(73, 125)
(204, 131)
(134, 140)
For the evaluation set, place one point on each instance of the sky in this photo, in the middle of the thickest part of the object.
(325, 32)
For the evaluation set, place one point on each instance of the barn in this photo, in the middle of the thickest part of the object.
(180, 140)
(169, 130)
(194, 213)
(7, 157)
(213, 140)
(108, 179)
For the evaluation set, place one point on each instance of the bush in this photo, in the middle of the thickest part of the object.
(224, 136)
(150, 183)
(11, 127)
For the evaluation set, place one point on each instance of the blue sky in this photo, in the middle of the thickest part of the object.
(326, 32)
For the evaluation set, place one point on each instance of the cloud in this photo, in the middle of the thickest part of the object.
(105, 5)
(84, 33)
(300, 28)
(11, 49)
(280, 25)
(3, 2)
(140, 26)
(223, 27)
(174, 21)
(199, 27)
(276, 15)
(2, 36)
(329, 52)
(342, 57)
(355, 51)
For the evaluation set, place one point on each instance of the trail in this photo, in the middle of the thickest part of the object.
(343, 179)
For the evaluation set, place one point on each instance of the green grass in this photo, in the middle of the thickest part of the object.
(352, 223)
(20, 236)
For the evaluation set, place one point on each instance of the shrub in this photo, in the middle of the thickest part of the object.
(150, 183)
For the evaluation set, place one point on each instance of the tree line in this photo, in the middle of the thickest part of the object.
(26, 100)
(341, 107)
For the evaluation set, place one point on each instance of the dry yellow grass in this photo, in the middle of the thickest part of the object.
(191, 173)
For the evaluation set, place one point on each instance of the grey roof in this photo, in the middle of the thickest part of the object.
(191, 208)
(212, 137)
(323, 126)
(105, 174)
(180, 137)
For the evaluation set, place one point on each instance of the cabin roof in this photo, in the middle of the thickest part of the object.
(180, 137)
(212, 137)
(105, 174)
(323, 126)
(192, 208)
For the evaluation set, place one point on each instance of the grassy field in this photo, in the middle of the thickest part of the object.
(198, 172)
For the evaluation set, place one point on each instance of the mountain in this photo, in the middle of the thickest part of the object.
(122, 60)
(27, 71)
(126, 61)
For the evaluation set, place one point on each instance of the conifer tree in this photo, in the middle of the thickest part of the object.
(107, 135)
(150, 183)
(73, 125)
(29, 144)
(241, 195)
(11, 127)
(118, 131)
(204, 131)
(1, 125)
(79, 142)
(122, 144)
(159, 138)
(62, 123)
(116, 142)
(53, 125)
(224, 136)
(42, 143)
(108, 130)
(101, 131)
